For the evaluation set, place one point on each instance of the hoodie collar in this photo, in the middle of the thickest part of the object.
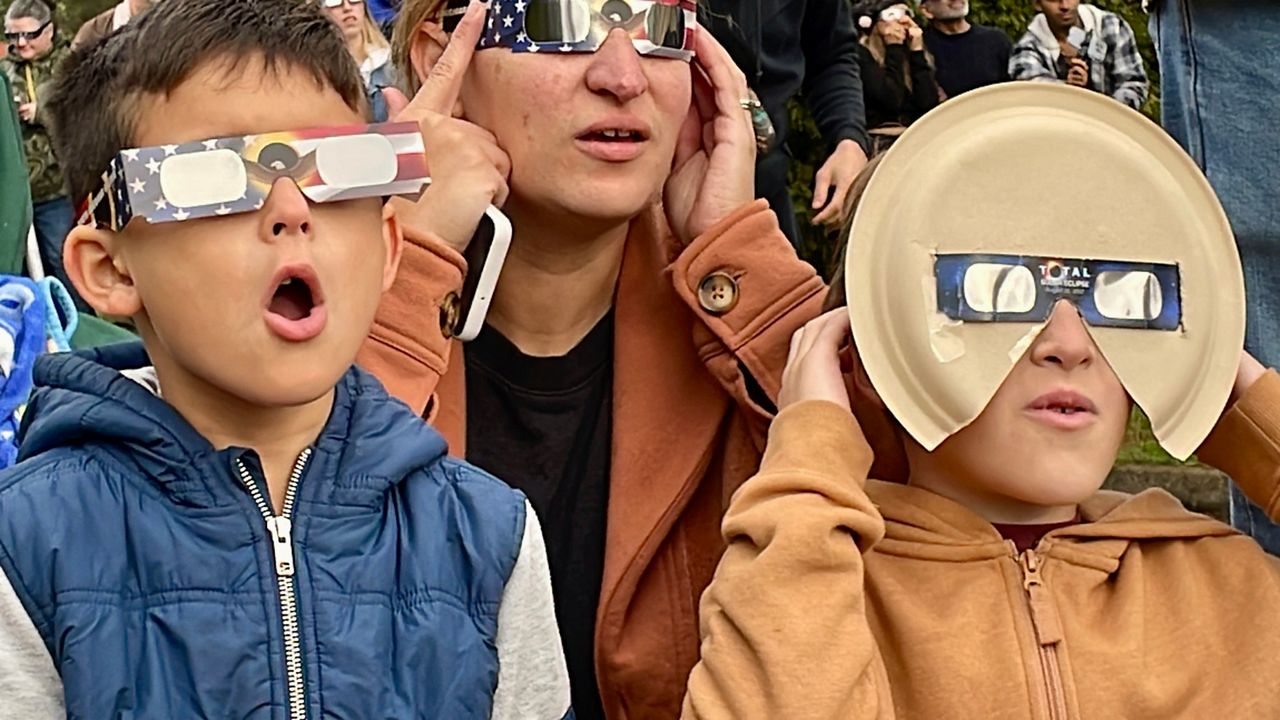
(1090, 20)
(84, 399)
(925, 525)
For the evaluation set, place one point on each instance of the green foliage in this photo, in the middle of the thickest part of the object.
(1012, 16)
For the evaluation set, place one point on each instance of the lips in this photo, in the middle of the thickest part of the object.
(1063, 409)
(294, 305)
(616, 139)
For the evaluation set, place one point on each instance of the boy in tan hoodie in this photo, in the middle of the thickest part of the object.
(998, 582)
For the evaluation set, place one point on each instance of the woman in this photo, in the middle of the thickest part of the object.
(624, 379)
(368, 48)
(897, 74)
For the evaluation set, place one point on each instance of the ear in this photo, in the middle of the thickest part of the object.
(924, 10)
(425, 49)
(393, 239)
(98, 271)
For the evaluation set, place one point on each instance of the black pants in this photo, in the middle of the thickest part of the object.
(771, 184)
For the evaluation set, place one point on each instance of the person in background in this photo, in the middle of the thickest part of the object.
(368, 47)
(897, 74)
(107, 21)
(34, 52)
(966, 56)
(1219, 82)
(1081, 45)
(807, 47)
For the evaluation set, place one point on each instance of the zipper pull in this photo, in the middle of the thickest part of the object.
(281, 532)
(1044, 616)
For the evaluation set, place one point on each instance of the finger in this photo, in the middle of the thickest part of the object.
(821, 187)
(831, 331)
(835, 211)
(396, 101)
(690, 139)
(728, 81)
(797, 338)
(827, 215)
(439, 92)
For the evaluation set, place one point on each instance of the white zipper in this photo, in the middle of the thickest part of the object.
(280, 534)
(1048, 629)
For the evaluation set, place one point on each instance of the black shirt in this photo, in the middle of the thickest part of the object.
(976, 58)
(889, 99)
(544, 425)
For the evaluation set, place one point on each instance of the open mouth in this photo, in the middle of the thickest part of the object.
(293, 299)
(614, 135)
(1064, 403)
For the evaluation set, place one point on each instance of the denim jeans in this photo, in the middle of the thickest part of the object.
(53, 220)
(1220, 83)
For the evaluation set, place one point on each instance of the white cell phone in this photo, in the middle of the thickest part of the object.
(485, 256)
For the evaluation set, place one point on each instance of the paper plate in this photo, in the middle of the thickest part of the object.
(1044, 170)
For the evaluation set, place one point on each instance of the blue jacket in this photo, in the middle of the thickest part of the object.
(146, 566)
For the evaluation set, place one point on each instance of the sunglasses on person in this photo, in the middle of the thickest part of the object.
(331, 4)
(231, 175)
(894, 14)
(657, 28)
(26, 35)
(1021, 289)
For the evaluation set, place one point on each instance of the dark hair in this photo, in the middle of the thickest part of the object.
(38, 10)
(94, 103)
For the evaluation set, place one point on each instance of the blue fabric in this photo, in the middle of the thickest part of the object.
(383, 11)
(53, 220)
(145, 565)
(1221, 78)
(380, 78)
(57, 305)
(22, 340)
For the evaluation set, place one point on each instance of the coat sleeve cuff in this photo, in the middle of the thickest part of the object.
(406, 348)
(1245, 444)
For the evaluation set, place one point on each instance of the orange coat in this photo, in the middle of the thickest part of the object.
(686, 431)
(843, 597)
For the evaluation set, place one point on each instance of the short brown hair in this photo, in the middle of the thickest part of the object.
(94, 103)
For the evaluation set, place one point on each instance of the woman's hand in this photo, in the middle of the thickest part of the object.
(468, 170)
(813, 368)
(714, 169)
(915, 36)
(893, 33)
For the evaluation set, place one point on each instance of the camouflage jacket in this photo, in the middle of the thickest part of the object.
(42, 166)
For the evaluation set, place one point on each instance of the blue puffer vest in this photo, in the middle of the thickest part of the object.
(148, 570)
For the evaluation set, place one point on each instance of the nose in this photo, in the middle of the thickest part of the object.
(1065, 341)
(615, 69)
(286, 212)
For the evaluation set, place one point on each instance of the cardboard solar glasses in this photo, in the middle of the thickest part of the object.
(225, 176)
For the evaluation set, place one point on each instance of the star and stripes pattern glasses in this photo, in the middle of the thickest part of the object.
(657, 28)
(230, 175)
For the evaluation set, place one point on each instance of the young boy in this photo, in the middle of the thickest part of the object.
(228, 520)
(998, 582)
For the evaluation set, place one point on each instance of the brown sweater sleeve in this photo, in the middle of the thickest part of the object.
(783, 624)
(777, 294)
(406, 349)
(1245, 444)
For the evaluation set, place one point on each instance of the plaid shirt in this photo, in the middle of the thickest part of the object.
(1115, 67)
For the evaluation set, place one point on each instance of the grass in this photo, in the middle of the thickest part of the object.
(1140, 444)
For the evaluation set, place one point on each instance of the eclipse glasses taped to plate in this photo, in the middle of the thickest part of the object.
(658, 28)
(1017, 289)
(225, 176)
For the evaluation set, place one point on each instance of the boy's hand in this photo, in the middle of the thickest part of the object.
(1249, 372)
(468, 170)
(813, 368)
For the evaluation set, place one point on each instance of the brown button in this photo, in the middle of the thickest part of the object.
(718, 293)
(450, 307)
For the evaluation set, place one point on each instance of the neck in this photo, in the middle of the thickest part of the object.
(951, 27)
(992, 507)
(355, 46)
(277, 434)
(557, 282)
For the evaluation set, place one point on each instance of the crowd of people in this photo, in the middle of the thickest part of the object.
(676, 473)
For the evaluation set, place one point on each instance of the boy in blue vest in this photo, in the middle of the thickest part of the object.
(228, 519)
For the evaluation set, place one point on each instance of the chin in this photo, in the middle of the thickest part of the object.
(289, 384)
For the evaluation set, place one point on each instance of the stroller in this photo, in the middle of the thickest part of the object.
(36, 313)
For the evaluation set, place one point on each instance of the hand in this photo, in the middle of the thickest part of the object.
(27, 111)
(1078, 74)
(714, 169)
(813, 369)
(468, 170)
(893, 33)
(915, 37)
(831, 184)
(1247, 374)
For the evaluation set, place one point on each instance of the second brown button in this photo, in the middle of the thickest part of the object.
(718, 293)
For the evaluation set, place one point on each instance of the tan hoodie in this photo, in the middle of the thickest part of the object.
(845, 598)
